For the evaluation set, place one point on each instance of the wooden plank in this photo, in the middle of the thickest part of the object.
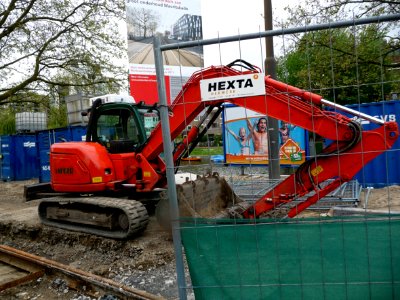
(19, 263)
(14, 271)
(9, 273)
(20, 280)
(5, 269)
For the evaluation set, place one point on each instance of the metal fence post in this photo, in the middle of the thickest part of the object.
(172, 196)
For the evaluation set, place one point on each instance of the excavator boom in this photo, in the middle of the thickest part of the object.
(350, 150)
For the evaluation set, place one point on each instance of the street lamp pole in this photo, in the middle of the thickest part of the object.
(273, 124)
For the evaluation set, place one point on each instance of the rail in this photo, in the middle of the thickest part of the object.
(20, 267)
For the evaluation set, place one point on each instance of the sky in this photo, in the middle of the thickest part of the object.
(221, 18)
(233, 17)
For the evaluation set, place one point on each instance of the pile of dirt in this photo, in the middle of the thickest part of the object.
(385, 199)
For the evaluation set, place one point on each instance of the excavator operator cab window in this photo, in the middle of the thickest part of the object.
(117, 130)
(149, 119)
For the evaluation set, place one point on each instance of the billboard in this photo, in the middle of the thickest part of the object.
(246, 138)
(173, 21)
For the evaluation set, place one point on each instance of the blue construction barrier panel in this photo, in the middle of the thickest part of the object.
(78, 133)
(26, 162)
(7, 160)
(28, 156)
(46, 138)
(384, 170)
(19, 157)
(44, 165)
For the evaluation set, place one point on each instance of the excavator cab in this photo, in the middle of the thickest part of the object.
(121, 127)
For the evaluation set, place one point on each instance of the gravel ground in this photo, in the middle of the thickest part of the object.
(146, 262)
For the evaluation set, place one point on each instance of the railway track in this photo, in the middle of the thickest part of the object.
(145, 56)
(171, 57)
(18, 267)
(182, 57)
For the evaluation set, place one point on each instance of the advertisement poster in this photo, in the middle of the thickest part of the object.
(246, 139)
(173, 21)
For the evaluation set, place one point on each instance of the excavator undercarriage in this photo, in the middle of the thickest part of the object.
(104, 216)
(205, 196)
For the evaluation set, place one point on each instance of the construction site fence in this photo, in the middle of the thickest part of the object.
(333, 258)
(354, 257)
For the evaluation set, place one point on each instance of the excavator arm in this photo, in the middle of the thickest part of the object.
(350, 150)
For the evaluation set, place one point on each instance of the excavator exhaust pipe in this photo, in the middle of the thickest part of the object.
(209, 196)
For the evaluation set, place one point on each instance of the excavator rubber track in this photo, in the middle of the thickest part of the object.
(108, 217)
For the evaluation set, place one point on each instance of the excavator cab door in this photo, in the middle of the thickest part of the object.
(118, 127)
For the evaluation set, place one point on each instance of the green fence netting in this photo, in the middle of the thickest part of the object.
(346, 258)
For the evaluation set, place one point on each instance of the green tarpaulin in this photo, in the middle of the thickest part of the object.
(346, 258)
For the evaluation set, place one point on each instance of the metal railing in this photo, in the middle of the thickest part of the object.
(251, 188)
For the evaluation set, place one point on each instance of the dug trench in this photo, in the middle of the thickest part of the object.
(146, 262)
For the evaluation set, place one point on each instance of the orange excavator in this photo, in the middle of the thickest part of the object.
(105, 183)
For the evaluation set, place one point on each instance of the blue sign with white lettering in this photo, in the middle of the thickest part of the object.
(384, 170)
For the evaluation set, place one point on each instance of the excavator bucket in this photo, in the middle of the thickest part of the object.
(207, 196)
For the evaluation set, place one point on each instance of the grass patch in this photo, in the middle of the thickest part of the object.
(204, 151)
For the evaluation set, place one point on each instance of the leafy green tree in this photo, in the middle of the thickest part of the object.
(32, 102)
(7, 124)
(359, 63)
(28, 101)
(323, 11)
(43, 42)
(57, 116)
(342, 65)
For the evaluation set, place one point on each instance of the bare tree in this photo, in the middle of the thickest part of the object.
(143, 22)
(50, 43)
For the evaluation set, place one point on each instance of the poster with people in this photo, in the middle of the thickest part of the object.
(246, 138)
